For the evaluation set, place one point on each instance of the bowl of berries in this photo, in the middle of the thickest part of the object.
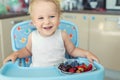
(71, 66)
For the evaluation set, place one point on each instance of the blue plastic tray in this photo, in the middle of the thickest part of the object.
(11, 71)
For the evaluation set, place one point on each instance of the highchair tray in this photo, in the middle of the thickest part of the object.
(11, 71)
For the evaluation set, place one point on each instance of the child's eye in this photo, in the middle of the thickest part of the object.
(52, 16)
(40, 18)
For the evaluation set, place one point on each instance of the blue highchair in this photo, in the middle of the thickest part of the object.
(20, 70)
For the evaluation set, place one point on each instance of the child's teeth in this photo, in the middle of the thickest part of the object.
(47, 27)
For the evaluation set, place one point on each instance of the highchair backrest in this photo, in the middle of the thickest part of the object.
(20, 32)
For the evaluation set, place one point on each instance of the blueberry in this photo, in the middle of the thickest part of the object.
(61, 66)
(66, 63)
(68, 67)
(73, 64)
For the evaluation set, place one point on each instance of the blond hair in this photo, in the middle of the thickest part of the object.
(56, 2)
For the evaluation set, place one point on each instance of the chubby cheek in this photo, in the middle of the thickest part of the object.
(58, 23)
(36, 24)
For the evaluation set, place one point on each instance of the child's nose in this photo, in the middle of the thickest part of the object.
(46, 21)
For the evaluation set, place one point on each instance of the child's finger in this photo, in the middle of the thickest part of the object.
(90, 60)
(5, 61)
(13, 60)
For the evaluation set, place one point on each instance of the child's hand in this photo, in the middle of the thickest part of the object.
(91, 57)
(11, 57)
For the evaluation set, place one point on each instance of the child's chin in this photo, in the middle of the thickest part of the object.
(49, 34)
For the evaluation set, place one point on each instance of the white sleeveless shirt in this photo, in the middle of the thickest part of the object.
(47, 51)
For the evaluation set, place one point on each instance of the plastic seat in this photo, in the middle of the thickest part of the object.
(20, 32)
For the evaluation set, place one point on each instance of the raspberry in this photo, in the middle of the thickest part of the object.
(72, 70)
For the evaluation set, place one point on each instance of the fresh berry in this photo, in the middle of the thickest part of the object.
(64, 69)
(72, 70)
(89, 67)
(61, 66)
(73, 64)
(76, 63)
(68, 67)
(75, 67)
(84, 66)
(66, 63)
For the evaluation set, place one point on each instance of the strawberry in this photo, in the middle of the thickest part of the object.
(71, 70)
(84, 66)
(89, 67)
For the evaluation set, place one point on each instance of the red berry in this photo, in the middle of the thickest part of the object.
(84, 66)
(89, 67)
(72, 70)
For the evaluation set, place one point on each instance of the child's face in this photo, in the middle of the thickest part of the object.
(45, 17)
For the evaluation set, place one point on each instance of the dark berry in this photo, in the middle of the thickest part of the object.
(68, 67)
(61, 66)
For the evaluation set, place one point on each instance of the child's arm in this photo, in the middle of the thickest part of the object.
(77, 52)
(24, 52)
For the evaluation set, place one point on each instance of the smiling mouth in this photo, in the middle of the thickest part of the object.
(47, 28)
